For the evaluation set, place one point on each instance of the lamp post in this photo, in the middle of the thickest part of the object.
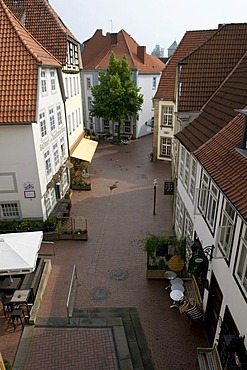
(154, 184)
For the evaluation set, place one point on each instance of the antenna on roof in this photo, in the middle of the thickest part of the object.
(110, 20)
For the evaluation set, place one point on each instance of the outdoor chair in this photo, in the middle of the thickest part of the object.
(6, 303)
(17, 314)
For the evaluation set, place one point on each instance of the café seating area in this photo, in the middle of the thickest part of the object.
(17, 295)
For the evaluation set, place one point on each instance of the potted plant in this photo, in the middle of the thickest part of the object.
(159, 249)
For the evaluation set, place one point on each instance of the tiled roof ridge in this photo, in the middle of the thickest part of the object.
(176, 57)
(59, 21)
(124, 33)
(200, 46)
(19, 28)
(226, 78)
(224, 143)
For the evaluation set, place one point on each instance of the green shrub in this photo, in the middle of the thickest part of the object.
(7, 364)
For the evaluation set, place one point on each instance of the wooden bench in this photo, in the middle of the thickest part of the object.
(192, 290)
(31, 281)
(208, 359)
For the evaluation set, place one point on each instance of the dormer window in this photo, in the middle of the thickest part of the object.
(242, 148)
(72, 56)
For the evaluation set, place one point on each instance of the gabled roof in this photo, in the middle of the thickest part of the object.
(204, 70)
(44, 24)
(191, 41)
(98, 48)
(20, 56)
(226, 165)
(219, 110)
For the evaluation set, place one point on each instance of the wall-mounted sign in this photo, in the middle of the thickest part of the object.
(28, 185)
(168, 188)
(29, 194)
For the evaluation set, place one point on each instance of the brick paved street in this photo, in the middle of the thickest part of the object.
(111, 264)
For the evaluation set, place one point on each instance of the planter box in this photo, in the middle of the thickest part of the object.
(155, 274)
(81, 187)
(73, 236)
(50, 235)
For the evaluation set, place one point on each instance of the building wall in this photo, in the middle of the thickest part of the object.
(74, 107)
(18, 169)
(145, 82)
(224, 269)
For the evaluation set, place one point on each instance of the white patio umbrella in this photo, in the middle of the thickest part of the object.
(19, 252)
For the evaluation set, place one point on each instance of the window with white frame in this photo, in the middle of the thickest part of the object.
(226, 229)
(167, 116)
(79, 114)
(74, 83)
(47, 163)
(181, 162)
(52, 118)
(242, 260)
(43, 82)
(212, 205)
(154, 83)
(165, 146)
(56, 155)
(65, 180)
(106, 126)
(127, 127)
(42, 123)
(89, 102)
(66, 87)
(187, 170)
(70, 87)
(203, 193)
(188, 226)
(62, 146)
(192, 178)
(9, 211)
(76, 118)
(69, 124)
(59, 115)
(73, 121)
(179, 216)
(89, 84)
(72, 55)
(53, 81)
(77, 85)
(50, 200)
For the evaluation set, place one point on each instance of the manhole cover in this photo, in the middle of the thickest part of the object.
(119, 274)
(99, 294)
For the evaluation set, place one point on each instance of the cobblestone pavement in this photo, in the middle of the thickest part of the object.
(111, 267)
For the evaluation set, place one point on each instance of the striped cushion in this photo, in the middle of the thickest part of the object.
(194, 312)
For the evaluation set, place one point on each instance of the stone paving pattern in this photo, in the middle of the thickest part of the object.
(119, 209)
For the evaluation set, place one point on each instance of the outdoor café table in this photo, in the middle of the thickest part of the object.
(169, 275)
(177, 280)
(9, 284)
(21, 296)
(177, 287)
(176, 296)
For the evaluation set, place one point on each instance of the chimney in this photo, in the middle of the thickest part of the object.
(141, 52)
(113, 38)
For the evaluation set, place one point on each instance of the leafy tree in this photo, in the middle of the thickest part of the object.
(116, 98)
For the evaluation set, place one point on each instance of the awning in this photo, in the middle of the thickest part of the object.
(85, 150)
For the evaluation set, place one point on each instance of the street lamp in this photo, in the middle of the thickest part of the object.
(154, 184)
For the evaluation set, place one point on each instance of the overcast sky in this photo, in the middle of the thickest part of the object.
(149, 22)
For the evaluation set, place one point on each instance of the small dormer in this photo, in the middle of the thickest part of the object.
(242, 148)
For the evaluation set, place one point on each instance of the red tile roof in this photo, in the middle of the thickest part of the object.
(20, 56)
(226, 165)
(191, 41)
(41, 20)
(205, 69)
(219, 110)
(98, 48)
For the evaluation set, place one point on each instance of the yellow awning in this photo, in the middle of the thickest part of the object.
(85, 150)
